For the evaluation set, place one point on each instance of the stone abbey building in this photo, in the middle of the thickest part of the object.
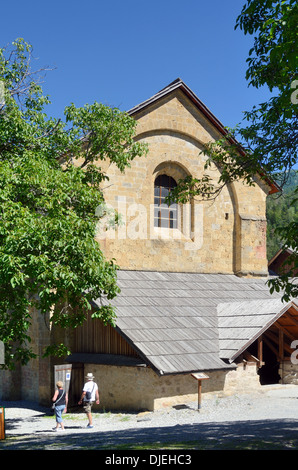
(194, 297)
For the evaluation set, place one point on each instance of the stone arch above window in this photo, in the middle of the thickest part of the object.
(173, 169)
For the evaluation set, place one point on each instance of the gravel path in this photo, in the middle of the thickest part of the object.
(267, 419)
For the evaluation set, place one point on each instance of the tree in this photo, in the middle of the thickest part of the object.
(281, 210)
(266, 141)
(272, 132)
(50, 188)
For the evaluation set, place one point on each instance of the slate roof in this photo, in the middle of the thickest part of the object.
(189, 322)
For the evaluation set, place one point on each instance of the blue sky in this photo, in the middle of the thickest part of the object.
(122, 52)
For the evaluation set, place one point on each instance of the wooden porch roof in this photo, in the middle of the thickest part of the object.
(241, 323)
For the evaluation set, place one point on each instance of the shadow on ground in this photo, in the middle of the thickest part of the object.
(252, 435)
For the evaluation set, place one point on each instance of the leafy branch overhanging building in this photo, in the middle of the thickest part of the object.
(193, 278)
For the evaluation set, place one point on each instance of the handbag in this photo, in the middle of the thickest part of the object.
(89, 394)
(55, 403)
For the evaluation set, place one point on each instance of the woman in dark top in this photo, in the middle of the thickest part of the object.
(60, 400)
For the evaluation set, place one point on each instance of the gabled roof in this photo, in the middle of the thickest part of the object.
(178, 84)
(180, 322)
(241, 323)
(283, 261)
(175, 85)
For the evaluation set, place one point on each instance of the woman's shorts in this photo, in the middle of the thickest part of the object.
(58, 411)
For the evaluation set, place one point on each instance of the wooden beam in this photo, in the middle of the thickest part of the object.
(281, 344)
(250, 358)
(260, 350)
(275, 351)
(272, 336)
(291, 318)
(276, 340)
(292, 337)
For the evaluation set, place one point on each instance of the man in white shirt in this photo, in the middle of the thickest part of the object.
(89, 396)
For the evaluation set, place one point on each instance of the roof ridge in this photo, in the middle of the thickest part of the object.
(178, 83)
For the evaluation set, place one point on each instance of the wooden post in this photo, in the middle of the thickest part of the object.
(2, 423)
(281, 354)
(199, 394)
(199, 376)
(260, 350)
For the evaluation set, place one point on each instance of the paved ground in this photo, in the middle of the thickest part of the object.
(261, 420)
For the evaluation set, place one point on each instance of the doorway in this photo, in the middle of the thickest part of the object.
(269, 371)
(72, 376)
(76, 384)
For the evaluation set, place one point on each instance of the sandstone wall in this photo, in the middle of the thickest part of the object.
(227, 235)
(140, 388)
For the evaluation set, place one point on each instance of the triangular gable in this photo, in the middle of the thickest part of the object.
(241, 323)
(283, 261)
(178, 84)
(175, 85)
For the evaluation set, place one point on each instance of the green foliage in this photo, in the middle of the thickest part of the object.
(271, 134)
(50, 190)
(229, 157)
(282, 217)
(273, 58)
(266, 142)
(272, 131)
(287, 282)
(282, 210)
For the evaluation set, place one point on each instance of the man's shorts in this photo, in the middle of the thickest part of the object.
(87, 406)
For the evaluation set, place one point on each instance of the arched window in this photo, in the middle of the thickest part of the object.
(164, 215)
